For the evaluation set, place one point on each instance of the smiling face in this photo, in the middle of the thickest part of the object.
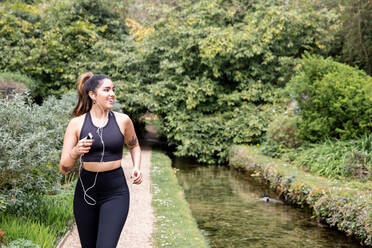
(104, 94)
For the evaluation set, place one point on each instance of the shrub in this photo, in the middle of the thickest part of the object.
(44, 219)
(335, 100)
(53, 42)
(214, 81)
(22, 243)
(282, 134)
(54, 211)
(283, 130)
(31, 138)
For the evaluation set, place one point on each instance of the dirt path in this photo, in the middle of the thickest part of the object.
(139, 225)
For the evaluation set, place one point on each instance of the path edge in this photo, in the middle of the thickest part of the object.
(64, 238)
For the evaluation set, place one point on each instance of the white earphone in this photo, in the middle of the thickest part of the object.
(100, 134)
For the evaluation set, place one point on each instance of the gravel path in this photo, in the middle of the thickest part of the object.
(139, 225)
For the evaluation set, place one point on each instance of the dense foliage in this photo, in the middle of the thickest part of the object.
(33, 208)
(212, 70)
(215, 70)
(283, 130)
(55, 41)
(355, 36)
(335, 100)
(30, 144)
(331, 118)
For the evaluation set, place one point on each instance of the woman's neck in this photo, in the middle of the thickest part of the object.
(98, 113)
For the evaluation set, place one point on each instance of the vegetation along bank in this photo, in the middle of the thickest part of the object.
(346, 205)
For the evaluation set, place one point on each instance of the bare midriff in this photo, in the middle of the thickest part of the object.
(100, 167)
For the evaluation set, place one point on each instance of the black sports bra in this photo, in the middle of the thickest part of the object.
(112, 137)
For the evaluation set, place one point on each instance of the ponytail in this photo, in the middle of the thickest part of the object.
(86, 82)
(84, 102)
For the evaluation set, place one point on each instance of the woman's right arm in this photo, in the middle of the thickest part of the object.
(72, 147)
(69, 155)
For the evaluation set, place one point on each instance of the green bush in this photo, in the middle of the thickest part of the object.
(31, 137)
(216, 79)
(54, 211)
(283, 131)
(335, 100)
(22, 243)
(53, 42)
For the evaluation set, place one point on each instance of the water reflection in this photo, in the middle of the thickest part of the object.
(226, 207)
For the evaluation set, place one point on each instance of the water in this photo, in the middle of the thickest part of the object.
(225, 204)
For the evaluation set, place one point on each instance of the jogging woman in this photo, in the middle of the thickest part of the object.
(96, 135)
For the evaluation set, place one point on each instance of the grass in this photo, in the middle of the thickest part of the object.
(175, 225)
(334, 158)
(58, 212)
(338, 159)
(44, 224)
(19, 228)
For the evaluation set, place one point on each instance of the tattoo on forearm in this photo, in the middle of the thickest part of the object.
(65, 168)
(133, 142)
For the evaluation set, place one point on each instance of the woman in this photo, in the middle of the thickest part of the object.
(97, 135)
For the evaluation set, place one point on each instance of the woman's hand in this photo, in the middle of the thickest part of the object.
(136, 176)
(82, 147)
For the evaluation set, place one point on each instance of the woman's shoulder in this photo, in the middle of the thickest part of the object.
(121, 116)
(77, 120)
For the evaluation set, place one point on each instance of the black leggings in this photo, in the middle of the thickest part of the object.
(99, 226)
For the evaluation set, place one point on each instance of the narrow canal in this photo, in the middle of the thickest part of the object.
(226, 207)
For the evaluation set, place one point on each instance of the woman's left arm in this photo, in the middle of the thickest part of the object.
(130, 139)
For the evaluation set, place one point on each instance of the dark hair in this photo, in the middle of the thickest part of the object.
(86, 82)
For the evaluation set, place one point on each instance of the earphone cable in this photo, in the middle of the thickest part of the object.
(86, 196)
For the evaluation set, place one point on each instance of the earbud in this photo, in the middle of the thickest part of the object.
(94, 98)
